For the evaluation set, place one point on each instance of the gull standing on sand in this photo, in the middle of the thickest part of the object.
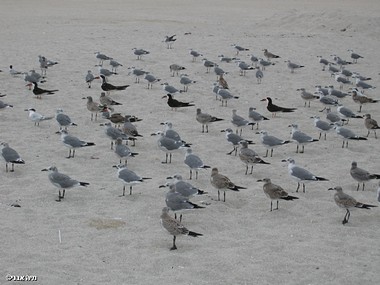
(269, 55)
(140, 52)
(234, 139)
(222, 182)
(114, 65)
(114, 133)
(323, 62)
(169, 41)
(89, 78)
(137, 73)
(130, 129)
(326, 100)
(293, 66)
(259, 75)
(37, 117)
(346, 113)
(169, 145)
(63, 120)
(175, 69)
(371, 125)
(183, 187)
(355, 56)
(122, 151)
(170, 89)
(73, 143)
(93, 107)
(270, 142)
(205, 119)
(275, 192)
(194, 163)
(249, 157)
(14, 72)
(300, 138)
(255, 117)
(347, 202)
(106, 100)
(301, 175)
(240, 122)
(208, 64)
(174, 227)
(62, 181)
(244, 67)
(239, 48)
(10, 156)
(361, 99)
(307, 96)
(177, 202)
(151, 80)
(322, 126)
(361, 175)
(347, 134)
(102, 57)
(225, 95)
(361, 84)
(128, 177)
(194, 54)
(169, 132)
(185, 81)
(341, 79)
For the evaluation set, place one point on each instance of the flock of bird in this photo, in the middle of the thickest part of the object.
(169, 141)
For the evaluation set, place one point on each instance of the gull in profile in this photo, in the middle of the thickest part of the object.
(222, 182)
(322, 126)
(122, 151)
(361, 175)
(63, 120)
(175, 69)
(270, 142)
(62, 181)
(300, 174)
(37, 117)
(10, 156)
(293, 66)
(234, 139)
(205, 119)
(249, 157)
(300, 138)
(240, 122)
(174, 227)
(347, 202)
(89, 78)
(275, 192)
(346, 134)
(140, 52)
(361, 99)
(102, 57)
(239, 48)
(194, 54)
(73, 143)
(255, 117)
(355, 56)
(128, 177)
(194, 163)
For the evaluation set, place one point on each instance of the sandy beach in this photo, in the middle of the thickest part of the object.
(94, 236)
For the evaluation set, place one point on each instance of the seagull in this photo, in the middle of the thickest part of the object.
(93, 107)
(346, 113)
(175, 104)
(347, 202)
(37, 117)
(104, 71)
(361, 99)
(293, 66)
(275, 192)
(140, 52)
(346, 134)
(169, 145)
(244, 67)
(137, 73)
(14, 72)
(265, 63)
(240, 122)
(354, 56)
(109, 87)
(10, 156)
(102, 57)
(322, 126)
(205, 119)
(259, 75)
(73, 143)
(340, 61)
(63, 120)
(255, 117)
(184, 188)
(336, 93)
(39, 91)
(62, 181)
(274, 109)
(169, 132)
(341, 79)
(300, 174)
(151, 80)
(208, 64)
(269, 55)
(220, 73)
(114, 65)
(89, 78)
(327, 100)
(249, 157)
(185, 81)
(300, 138)
(169, 41)
(194, 163)
(234, 139)
(194, 54)
(114, 133)
(175, 68)
(225, 95)
(128, 177)
(130, 129)
(170, 89)
(361, 175)
(270, 142)
(174, 227)
(4, 105)
(370, 124)
(106, 100)
(323, 62)
(227, 59)
(239, 48)
(361, 84)
(222, 81)
(222, 182)
(333, 117)
(307, 96)
(253, 59)
(123, 151)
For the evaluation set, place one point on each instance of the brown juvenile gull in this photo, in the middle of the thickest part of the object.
(249, 157)
(370, 124)
(174, 227)
(222, 182)
(275, 192)
(93, 107)
(347, 202)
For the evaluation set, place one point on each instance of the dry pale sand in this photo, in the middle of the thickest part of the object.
(107, 239)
